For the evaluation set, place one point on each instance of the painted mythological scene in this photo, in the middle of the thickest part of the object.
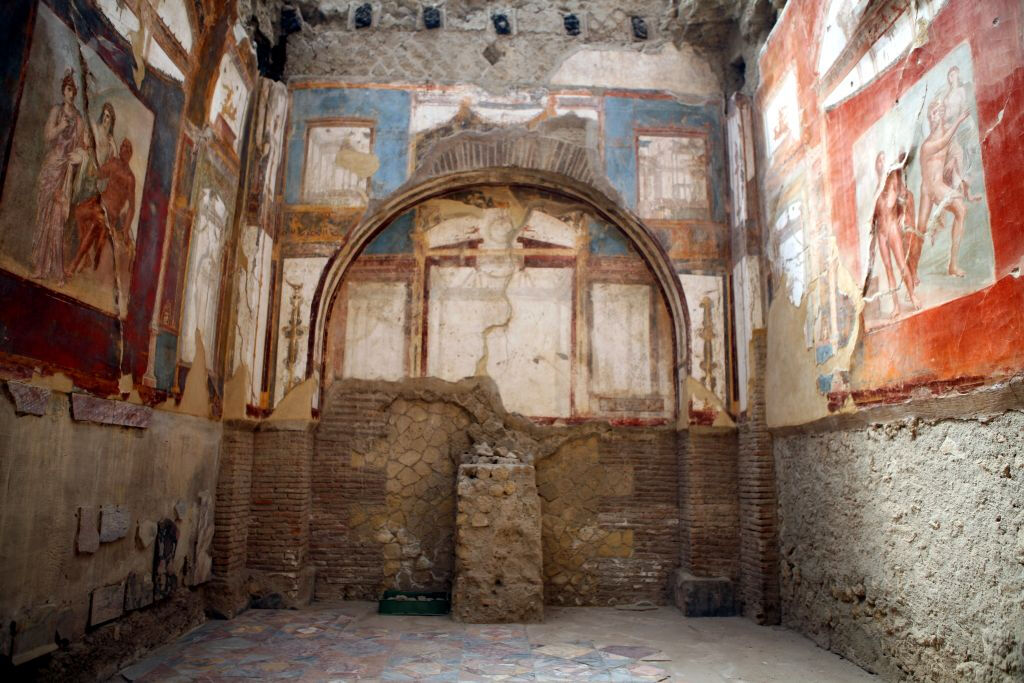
(922, 215)
(78, 167)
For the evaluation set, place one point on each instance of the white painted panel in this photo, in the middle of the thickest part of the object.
(230, 99)
(161, 61)
(749, 317)
(301, 276)
(523, 322)
(672, 177)
(175, 17)
(202, 294)
(324, 179)
(375, 337)
(530, 357)
(123, 19)
(705, 298)
(620, 340)
(782, 115)
(253, 304)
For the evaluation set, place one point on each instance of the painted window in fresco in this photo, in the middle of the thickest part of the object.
(332, 174)
(523, 286)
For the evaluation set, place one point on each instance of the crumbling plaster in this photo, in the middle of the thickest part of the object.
(695, 38)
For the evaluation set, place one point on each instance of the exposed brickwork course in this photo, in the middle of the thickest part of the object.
(234, 490)
(346, 569)
(281, 502)
(650, 511)
(759, 557)
(709, 503)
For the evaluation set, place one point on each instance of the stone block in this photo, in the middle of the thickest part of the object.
(35, 631)
(138, 591)
(91, 409)
(498, 556)
(202, 562)
(107, 604)
(88, 539)
(145, 534)
(29, 399)
(114, 523)
(699, 596)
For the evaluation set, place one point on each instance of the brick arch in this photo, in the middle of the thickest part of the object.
(552, 162)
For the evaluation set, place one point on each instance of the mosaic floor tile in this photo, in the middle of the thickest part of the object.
(351, 642)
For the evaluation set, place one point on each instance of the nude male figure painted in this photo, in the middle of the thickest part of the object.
(891, 221)
(936, 192)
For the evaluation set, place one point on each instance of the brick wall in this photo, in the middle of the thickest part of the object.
(709, 503)
(650, 511)
(234, 491)
(759, 558)
(345, 567)
(281, 503)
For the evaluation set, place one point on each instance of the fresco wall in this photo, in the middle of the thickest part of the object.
(348, 145)
(526, 287)
(895, 239)
(894, 232)
(116, 226)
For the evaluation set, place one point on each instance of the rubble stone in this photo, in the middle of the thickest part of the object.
(498, 546)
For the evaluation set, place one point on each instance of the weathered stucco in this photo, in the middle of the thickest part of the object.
(59, 474)
(902, 545)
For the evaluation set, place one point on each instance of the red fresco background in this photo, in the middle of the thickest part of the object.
(979, 336)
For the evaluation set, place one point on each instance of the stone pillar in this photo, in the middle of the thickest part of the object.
(498, 555)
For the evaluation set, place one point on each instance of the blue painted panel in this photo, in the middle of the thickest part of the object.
(166, 359)
(607, 240)
(823, 353)
(394, 239)
(623, 115)
(620, 157)
(390, 110)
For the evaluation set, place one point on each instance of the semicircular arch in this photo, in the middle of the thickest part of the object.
(411, 195)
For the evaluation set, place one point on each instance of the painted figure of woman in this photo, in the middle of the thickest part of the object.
(64, 141)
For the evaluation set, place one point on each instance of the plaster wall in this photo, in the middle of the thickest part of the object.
(902, 545)
(57, 471)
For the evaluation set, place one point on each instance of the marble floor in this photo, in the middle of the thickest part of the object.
(350, 642)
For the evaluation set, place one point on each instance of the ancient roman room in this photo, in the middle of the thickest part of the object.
(512, 340)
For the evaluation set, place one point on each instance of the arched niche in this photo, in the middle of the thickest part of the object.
(548, 188)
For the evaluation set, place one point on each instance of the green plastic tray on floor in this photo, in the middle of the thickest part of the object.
(434, 604)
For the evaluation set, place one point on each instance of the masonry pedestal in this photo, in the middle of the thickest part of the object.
(702, 596)
(498, 555)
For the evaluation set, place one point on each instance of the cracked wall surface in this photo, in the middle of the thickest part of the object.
(522, 286)
(902, 545)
